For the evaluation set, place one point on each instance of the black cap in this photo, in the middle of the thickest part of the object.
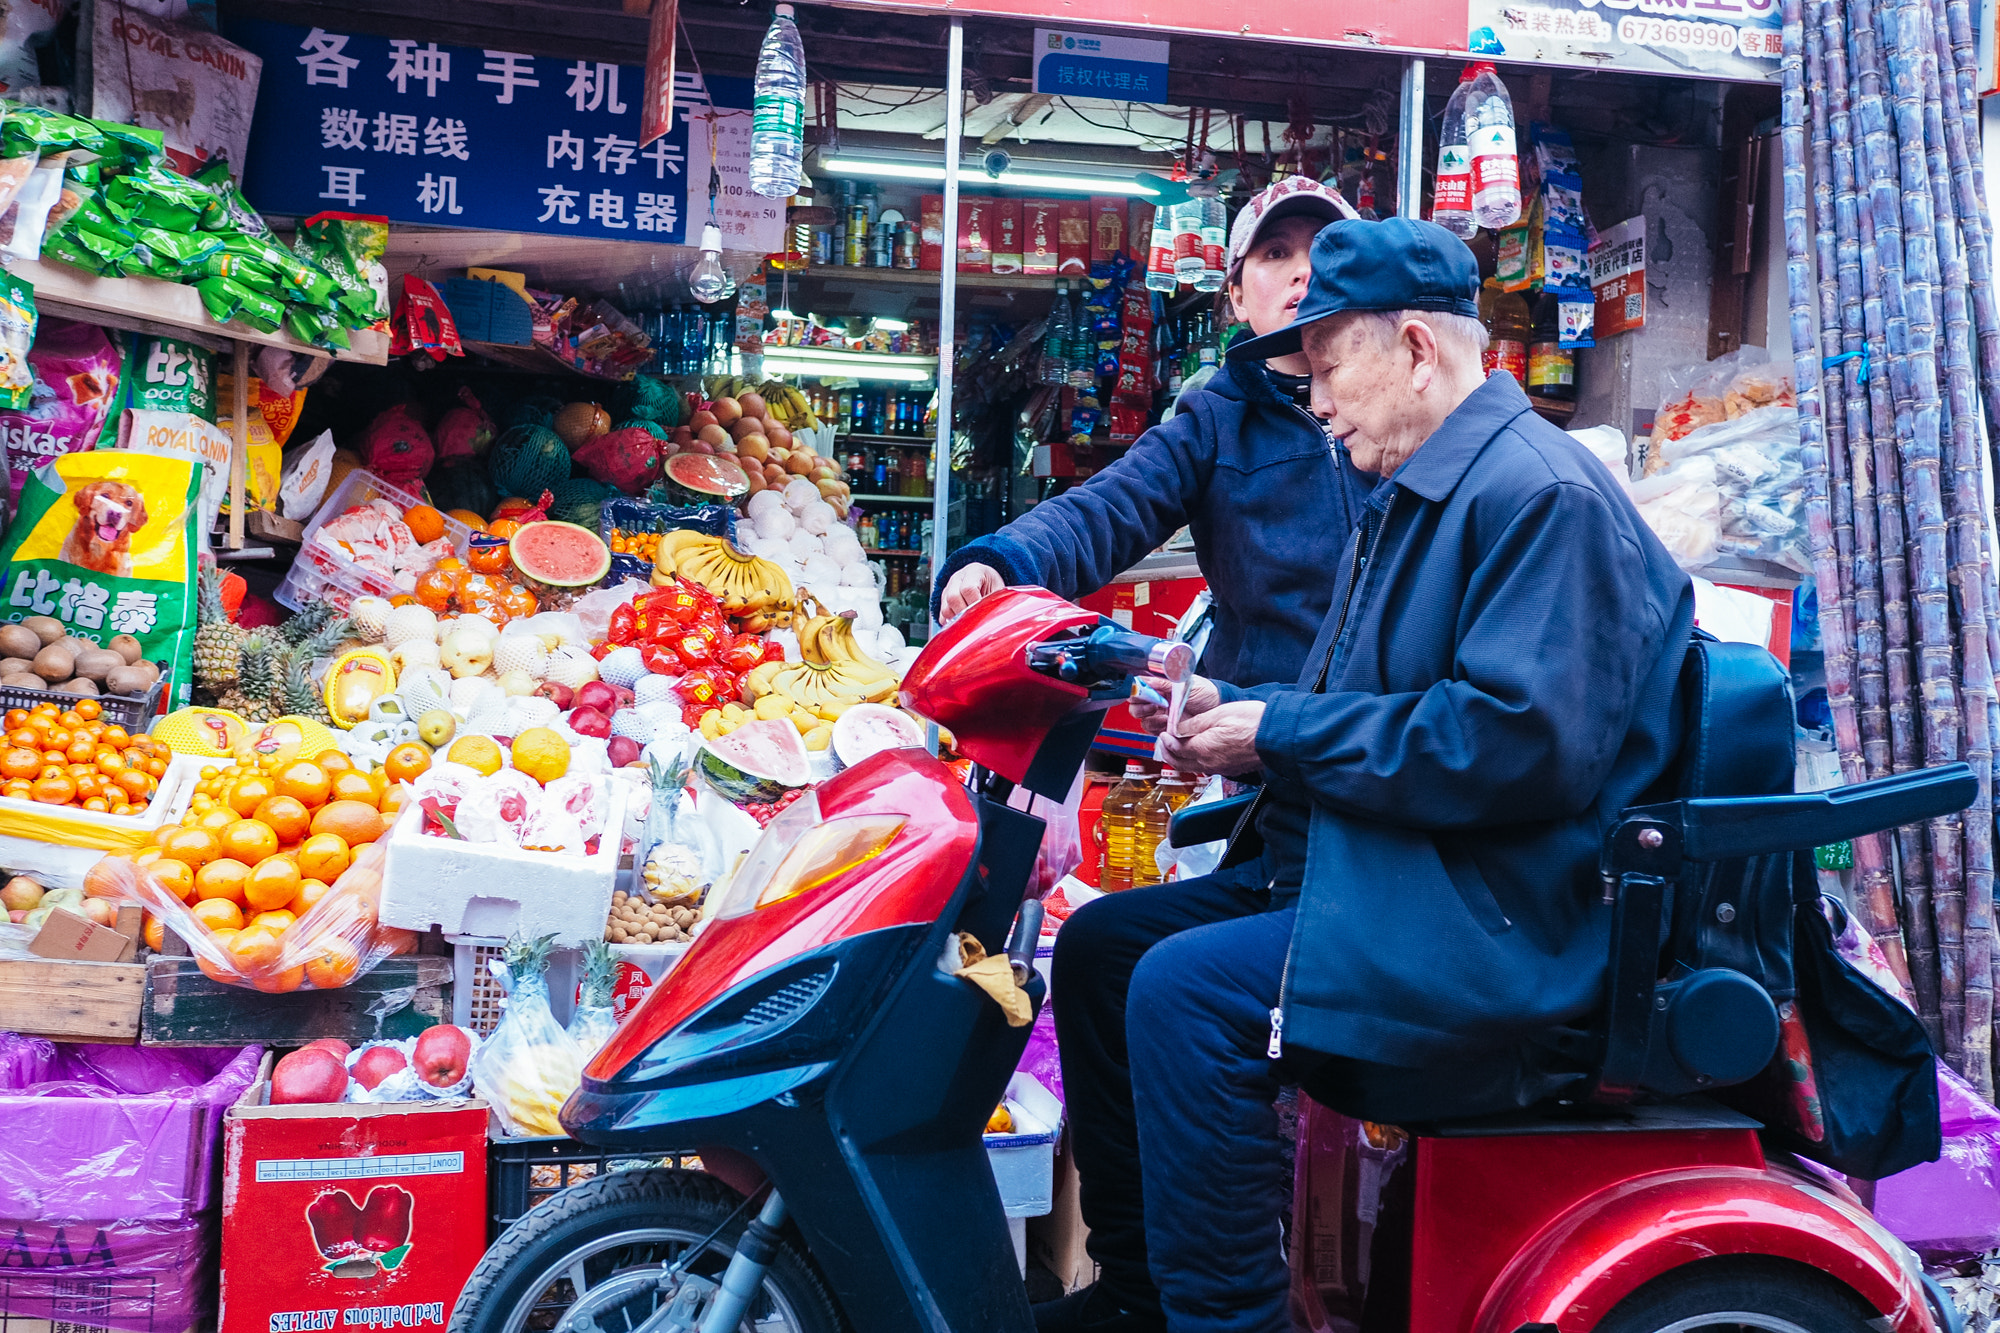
(1394, 264)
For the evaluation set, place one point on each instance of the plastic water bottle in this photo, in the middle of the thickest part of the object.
(1082, 345)
(1160, 254)
(1214, 233)
(1120, 822)
(1187, 242)
(1451, 206)
(778, 109)
(1496, 169)
(1156, 811)
(1054, 368)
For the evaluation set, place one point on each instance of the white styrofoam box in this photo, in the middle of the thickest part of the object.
(491, 891)
(60, 840)
(476, 994)
(1024, 1162)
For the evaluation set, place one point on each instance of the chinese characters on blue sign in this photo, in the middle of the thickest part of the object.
(465, 137)
(1085, 64)
(1732, 39)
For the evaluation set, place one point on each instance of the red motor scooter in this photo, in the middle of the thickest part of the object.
(816, 1051)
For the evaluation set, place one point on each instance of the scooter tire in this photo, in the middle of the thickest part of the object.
(570, 1222)
(1766, 1295)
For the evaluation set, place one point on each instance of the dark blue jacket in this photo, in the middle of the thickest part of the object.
(1252, 477)
(1504, 684)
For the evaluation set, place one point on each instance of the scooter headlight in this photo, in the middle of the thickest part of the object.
(800, 850)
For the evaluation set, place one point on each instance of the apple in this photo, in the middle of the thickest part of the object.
(623, 750)
(596, 694)
(589, 722)
(340, 1049)
(377, 1063)
(16, 915)
(625, 699)
(442, 1054)
(101, 910)
(21, 894)
(562, 696)
(308, 1076)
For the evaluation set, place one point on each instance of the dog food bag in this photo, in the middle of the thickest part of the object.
(76, 385)
(349, 246)
(17, 337)
(105, 542)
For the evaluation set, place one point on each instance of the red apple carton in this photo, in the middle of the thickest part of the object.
(337, 1215)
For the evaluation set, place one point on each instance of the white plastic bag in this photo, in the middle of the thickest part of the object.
(529, 1066)
(1202, 858)
(303, 481)
(592, 1024)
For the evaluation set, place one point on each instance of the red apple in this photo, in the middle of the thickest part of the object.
(589, 722)
(596, 694)
(308, 1076)
(625, 699)
(340, 1049)
(557, 693)
(623, 750)
(376, 1064)
(442, 1054)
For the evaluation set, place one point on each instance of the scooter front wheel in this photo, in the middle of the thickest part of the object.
(1741, 1295)
(590, 1260)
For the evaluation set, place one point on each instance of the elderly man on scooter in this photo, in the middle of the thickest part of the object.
(1406, 921)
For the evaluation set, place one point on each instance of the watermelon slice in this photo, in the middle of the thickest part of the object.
(868, 729)
(756, 763)
(705, 478)
(560, 555)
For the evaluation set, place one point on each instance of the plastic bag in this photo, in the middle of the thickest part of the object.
(1760, 479)
(681, 860)
(1202, 858)
(1758, 384)
(303, 479)
(1693, 396)
(1607, 445)
(593, 1023)
(529, 1066)
(1683, 507)
(336, 940)
(1062, 845)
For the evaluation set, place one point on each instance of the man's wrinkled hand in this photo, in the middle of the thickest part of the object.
(1152, 718)
(1222, 740)
(969, 585)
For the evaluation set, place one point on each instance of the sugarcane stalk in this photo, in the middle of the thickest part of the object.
(1879, 222)
(1874, 875)
(1969, 181)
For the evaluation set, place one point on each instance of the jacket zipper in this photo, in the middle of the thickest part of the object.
(1370, 533)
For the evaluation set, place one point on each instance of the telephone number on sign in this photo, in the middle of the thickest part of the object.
(1669, 32)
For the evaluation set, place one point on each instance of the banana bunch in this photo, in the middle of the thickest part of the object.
(827, 638)
(725, 386)
(753, 589)
(787, 406)
(822, 690)
(817, 732)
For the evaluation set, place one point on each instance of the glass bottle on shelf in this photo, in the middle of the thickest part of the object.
(866, 531)
(881, 475)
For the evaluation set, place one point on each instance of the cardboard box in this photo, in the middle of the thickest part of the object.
(1073, 236)
(1138, 231)
(1007, 236)
(1040, 226)
(349, 1215)
(975, 234)
(1057, 1239)
(67, 937)
(930, 232)
(1107, 227)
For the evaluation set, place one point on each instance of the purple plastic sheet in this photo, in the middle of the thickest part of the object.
(1949, 1209)
(1041, 1058)
(112, 1132)
(141, 1277)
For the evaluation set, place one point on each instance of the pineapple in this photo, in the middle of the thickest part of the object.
(302, 696)
(294, 688)
(251, 698)
(310, 620)
(218, 644)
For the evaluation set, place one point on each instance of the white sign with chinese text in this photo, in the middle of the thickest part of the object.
(1718, 39)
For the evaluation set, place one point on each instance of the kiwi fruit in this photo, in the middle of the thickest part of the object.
(19, 641)
(18, 666)
(26, 680)
(55, 662)
(96, 663)
(47, 628)
(81, 685)
(77, 647)
(126, 647)
(133, 678)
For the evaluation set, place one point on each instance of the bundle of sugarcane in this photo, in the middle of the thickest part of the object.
(1896, 347)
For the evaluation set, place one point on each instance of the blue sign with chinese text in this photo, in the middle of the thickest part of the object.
(463, 137)
(1088, 64)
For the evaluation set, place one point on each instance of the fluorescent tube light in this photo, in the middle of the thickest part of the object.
(1016, 178)
(892, 325)
(785, 363)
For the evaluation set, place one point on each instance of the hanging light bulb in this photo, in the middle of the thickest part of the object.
(709, 280)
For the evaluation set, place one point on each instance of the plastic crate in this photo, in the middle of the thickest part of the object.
(477, 1001)
(324, 572)
(134, 712)
(521, 1173)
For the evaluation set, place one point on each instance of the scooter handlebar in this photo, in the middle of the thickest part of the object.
(1122, 652)
(1027, 935)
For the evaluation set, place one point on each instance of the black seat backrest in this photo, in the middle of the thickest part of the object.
(1738, 714)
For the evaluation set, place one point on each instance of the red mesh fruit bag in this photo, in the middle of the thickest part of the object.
(628, 459)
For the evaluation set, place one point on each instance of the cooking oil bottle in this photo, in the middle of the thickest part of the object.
(1156, 810)
(1120, 821)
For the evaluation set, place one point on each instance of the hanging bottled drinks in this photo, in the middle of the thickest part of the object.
(778, 109)
(1082, 347)
(1489, 133)
(1160, 254)
(1054, 367)
(1214, 234)
(1451, 206)
(1187, 242)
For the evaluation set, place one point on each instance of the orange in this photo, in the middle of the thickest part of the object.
(354, 785)
(393, 800)
(333, 761)
(402, 599)
(222, 971)
(475, 752)
(249, 841)
(280, 983)
(504, 527)
(287, 817)
(138, 785)
(90, 785)
(253, 950)
(304, 781)
(425, 523)
(109, 877)
(277, 921)
(20, 762)
(542, 754)
(436, 588)
(19, 789)
(218, 914)
(89, 708)
(55, 790)
(323, 857)
(216, 820)
(146, 855)
(355, 821)
(97, 803)
(273, 882)
(156, 933)
(155, 767)
(406, 763)
(82, 750)
(17, 718)
(250, 791)
(309, 894)
(471, 518)
(176, 877)
(334, 965)
(224, 878)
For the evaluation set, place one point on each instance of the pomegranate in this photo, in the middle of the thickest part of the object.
(589, 722)
(442, 1054)
(307, 1076)
(596, 694)
(377, 1063)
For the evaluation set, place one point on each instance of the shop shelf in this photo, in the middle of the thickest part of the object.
(895, 499)
(904, 441)
(870, 550)
(521, 1173)
(150, 305)
(537, 360)
(925, 277)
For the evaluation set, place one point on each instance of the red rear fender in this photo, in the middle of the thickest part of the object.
(1571, 1274)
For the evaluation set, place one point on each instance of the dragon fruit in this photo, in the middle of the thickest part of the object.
(397, 448)
(465, 431)
(623, 667)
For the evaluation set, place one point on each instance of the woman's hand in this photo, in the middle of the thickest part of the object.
(969, 585)
(1152, 718)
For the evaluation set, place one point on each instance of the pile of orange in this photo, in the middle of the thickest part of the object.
(259, 847)
(75, 758)
(469, 587)
(643, 544)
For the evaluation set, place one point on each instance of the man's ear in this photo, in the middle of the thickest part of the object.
(1420, 341)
